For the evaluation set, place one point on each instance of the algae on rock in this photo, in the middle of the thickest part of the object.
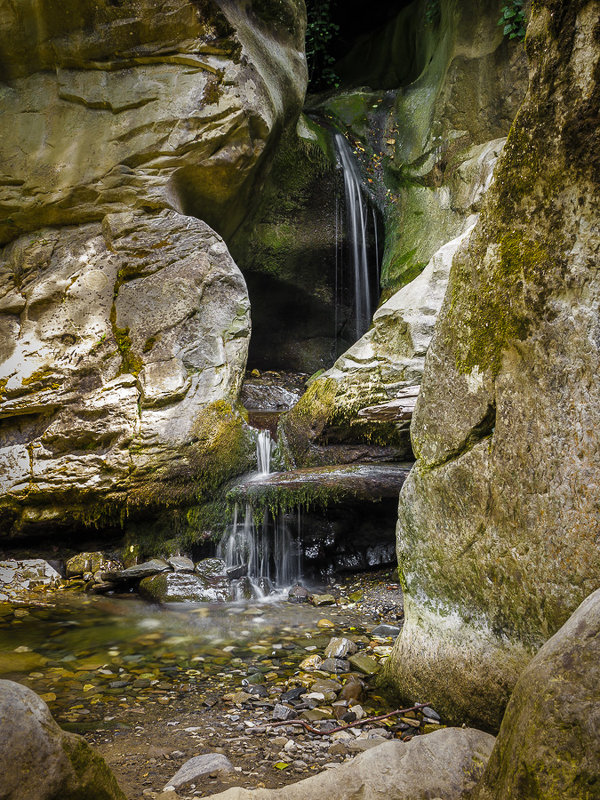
(288, 251)
(498, 521)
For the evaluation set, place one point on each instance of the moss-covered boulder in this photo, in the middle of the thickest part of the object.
(548, 745)
(498, 521)
(39, 760)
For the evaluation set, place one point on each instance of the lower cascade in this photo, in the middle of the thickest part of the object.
(261, 556)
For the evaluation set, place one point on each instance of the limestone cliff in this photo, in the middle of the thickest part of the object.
(498, 521)
(427, 152)
(124, 323)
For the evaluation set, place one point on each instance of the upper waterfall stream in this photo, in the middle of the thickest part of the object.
(356, 226)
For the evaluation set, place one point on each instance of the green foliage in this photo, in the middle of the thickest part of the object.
(513, 19)
(320, 32)
(432, 12)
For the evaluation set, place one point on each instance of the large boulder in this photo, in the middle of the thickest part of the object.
(42, 762)
(549, 741)
(124, 323)
(447, 763)
(123, 351)
(498, 521)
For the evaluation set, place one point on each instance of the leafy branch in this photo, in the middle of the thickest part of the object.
(320, 32)
(513, 19)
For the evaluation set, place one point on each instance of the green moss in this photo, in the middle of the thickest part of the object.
(221, 448)
(279, 499)
(499, 309)
(208, 521)
(327, 414)
(149, 343)
(94, 781)
(276, 238)
(130, 362)
(39, 375)
(306, 421)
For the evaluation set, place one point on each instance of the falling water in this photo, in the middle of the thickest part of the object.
(266, 551)
(263, 452)
(356, 211)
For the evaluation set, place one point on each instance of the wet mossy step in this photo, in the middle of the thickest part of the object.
(322, 486)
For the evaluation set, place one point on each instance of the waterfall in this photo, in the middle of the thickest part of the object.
(356, 213)
(263, 452)
(267, 552)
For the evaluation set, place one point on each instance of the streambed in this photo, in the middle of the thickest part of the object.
(153, 686)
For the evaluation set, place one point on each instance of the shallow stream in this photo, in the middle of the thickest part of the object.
(89, 655)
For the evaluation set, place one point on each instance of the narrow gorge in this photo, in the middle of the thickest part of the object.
(299, 451)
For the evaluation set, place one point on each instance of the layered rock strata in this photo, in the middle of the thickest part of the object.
(124, 323)
(498, 521)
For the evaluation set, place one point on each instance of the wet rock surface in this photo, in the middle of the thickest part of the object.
(19, 579)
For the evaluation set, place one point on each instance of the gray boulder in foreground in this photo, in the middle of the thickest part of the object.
(549, 742)
(42, 762)
(447, 763)
(197, 768)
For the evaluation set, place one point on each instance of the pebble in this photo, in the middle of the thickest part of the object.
(364, 663)
(325, 623)
(340, 648)
(323, 600)
(386, 631)
(336, 665)
(196, 768)
(283, 713)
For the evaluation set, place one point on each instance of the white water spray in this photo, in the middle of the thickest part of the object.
(356, 211)
(267, 551)
(263, 452)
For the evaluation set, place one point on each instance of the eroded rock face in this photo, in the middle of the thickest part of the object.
(369, 393)
(108, 107)
(119, 339)
(39, 760)
(360, 397)
(124, 332)
(549, 742)
(498, 521)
